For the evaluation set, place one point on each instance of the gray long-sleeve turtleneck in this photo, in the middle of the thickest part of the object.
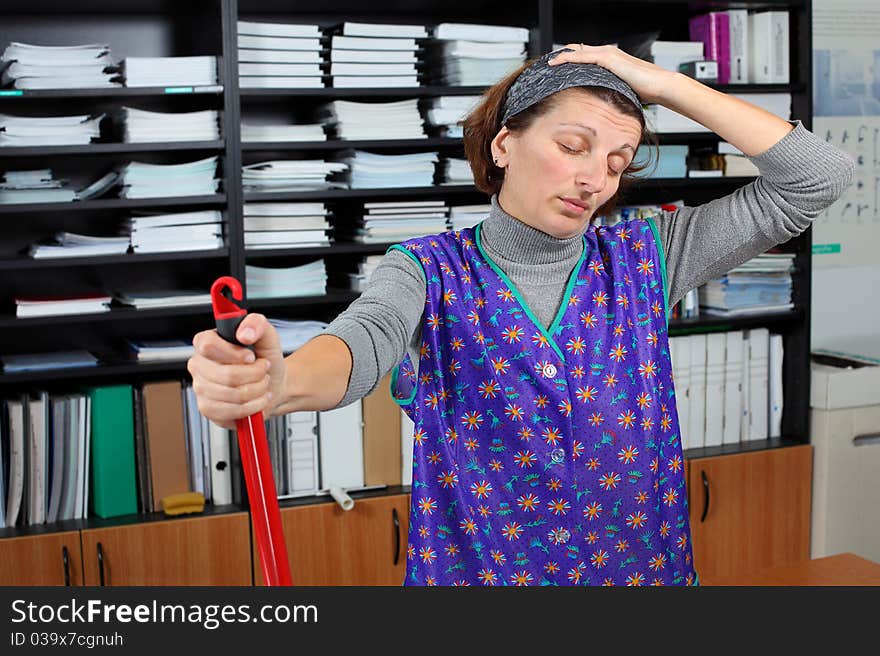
(800, 176)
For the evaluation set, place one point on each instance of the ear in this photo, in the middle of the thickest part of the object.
(501, 147)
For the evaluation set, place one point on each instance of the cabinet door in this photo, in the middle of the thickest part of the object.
(195, 551)
(750, 511)
(330, 546)
(53, 559)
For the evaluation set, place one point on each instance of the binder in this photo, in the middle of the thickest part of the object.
(58, 433)
(759, 395)
(15, 489)
(776, 392)
(301, 435)
(769, 49)
(382, 453)
(4, 459)
(164, 422)
(75, 407)
(733, 401)
(715, 353)
(697, 404)
(341, 440)
(713, 29)
(114, 489)
(407, 427)
(738, 30)
(221, 479)
(37, 445)
(680, 353)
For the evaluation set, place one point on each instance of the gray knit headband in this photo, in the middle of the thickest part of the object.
(541, 80)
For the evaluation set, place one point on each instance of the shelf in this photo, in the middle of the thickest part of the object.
(759, 88)
(332, 297)
(741, 447)
(113, 204)
(117, 369)
(121, 92)
(708, 323)
(333, 249)
(16, 264)
(335, 194)
(111, 148)
(332, 92)
(115, 314)
(340, 144)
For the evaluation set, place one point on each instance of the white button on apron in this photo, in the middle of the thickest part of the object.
(549, 370)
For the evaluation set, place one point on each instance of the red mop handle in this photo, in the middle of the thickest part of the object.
(227, 299)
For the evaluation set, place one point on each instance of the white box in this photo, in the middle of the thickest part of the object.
(850, 385)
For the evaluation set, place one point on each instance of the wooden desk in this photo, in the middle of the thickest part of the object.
(842, 569)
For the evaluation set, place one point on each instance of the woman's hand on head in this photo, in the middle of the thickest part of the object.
(647, 80)
(232, 382)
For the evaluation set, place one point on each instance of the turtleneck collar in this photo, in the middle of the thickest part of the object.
(506, 236)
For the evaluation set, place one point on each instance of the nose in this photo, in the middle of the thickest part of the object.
(590, 175)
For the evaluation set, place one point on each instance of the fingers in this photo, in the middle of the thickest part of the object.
(582, 54)
(228, 375)
(225, 414)
(240, 395)
(210, 345)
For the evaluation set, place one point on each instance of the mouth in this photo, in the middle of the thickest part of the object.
(574, 205)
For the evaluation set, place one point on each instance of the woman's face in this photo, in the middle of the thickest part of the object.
(567, 164)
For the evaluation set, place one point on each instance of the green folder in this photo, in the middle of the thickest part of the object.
(112, 470)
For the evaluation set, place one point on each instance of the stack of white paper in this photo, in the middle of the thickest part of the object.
(373, 171)
(478, 55)
(467, 216)
(170, 71)
(291, 175)
(34, 306)
(457, 171)
(58, 67)
(669, 54)
(398, 221)
(447, 112)
(161, 350)
(46, 361)
(294, 334)
(358, 281)
(763, 284)
(155, 299)
(367, 120)
(251, 132)
(182, 231)
(285, 225)
(143, 126)
(306, 280)
(376, 55)
(140, 180)
(70, 244)
(662, 119)
(279, 55)
(34, 187)
(49, 130)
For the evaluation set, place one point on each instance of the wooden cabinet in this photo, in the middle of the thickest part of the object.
(53, 559)
(750, 511)
(329, 546)
(212, 550)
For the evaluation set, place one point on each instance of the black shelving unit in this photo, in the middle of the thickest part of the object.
(208, 27)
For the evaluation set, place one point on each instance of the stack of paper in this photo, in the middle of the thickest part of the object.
(662, 119)
(70, 244)
(251, 133)
(367, 120)
(170, 71)
(291, 175)
(58, 67)
(478, 55)
(34, 187)
(467, 216)
(359, 281)
(306, 280)
(47, 361)
(457, 171)
(140, 180)
(763, 284)
(44, 306)
(669, 54)
(375, 55)
(161, 350)
(735, 162)
(182, 231)
(294, 334)
(373, 171)
(447, 112)
(143, 126)
(285, 225)
(671, 161)
(398, 221)
(279, 55)
(49, 130)
(155, 299)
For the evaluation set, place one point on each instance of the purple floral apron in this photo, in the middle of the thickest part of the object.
(545, 456)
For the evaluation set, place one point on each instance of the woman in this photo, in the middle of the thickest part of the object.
(535, 355)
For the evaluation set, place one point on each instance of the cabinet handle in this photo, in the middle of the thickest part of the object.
(65, 558)
(101, 564)
(867, 439)
(705, 496)
(396, 521)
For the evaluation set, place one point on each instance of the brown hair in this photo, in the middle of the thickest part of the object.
(482, 125)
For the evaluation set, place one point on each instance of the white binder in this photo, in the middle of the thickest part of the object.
(776, 392)
(341, 440)
(697, 408)
(759, 347)
(680, 352)
(407, 427)
(716, 344)
(733, 401)
(221, 476)
(301, 430)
